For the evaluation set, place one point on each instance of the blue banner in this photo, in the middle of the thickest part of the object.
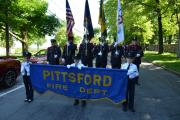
(87, 83)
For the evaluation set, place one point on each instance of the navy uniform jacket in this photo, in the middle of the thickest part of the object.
(86, 55)
(136, 49)
(116, 55)
(101, 60)
(53, 55)
(69, 53)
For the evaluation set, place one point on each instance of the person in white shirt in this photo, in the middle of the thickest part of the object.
(132, 76)
(25, 71)
(77, 63)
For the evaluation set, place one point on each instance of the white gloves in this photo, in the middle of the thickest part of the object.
(63, 60)
(138, 55)
(117, 53)
(68, 66)
(79, 67)
(55, 56)
(67, 44)
(101, 43)
(115, 44)
(100, 53)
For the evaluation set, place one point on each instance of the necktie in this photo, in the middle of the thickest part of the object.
(128, 67)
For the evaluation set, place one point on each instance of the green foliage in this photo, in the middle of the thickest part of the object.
(62, 39)
(167, 60)
(140, 18)
(28, 19)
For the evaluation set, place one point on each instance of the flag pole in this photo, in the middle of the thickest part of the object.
(86, 32)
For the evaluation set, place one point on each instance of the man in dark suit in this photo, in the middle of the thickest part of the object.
(86, 52)
(101, 52)
(116, 55)
(69, 51)
(136, 49)
(53, 53)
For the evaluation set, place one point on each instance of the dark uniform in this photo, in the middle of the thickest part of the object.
(101, 53)
(86, 53)
(138, 52)
(116, 55)
(69, 53)
(136, 49)
(53, 55)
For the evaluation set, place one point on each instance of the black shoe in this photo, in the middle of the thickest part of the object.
(83, 104)
(76, 102)
(138, 84)
(132, 110)
(124, 109)
(26, 100)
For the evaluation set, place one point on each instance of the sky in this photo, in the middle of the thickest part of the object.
(77, 7)
(58, 7)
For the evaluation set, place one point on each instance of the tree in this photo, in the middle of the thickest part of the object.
(33, 20)
(28, 18)
(135, 21)
(175, 7)
(6, 17)
(62, 38)
(138, 16)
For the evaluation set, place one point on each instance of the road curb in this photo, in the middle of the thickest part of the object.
(169, 70)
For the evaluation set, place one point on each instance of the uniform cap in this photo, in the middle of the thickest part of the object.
(53, 40)
(134, 39)
(27, 54)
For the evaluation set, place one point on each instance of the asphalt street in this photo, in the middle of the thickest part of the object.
(157, 98)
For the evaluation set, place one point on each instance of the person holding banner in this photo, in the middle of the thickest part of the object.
(53, 53)
(25, 71)
(132, 76)
(79, 65)
(86, 52)
(101, 52)
(69, 51)
(138, 51)
(116, 55)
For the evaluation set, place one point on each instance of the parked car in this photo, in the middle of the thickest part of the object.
(40, 57)
(9, 70)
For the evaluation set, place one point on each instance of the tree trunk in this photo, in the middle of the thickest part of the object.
(7, 34)
(25, 39)
(160, 32)
(170, 39)
(178, 51)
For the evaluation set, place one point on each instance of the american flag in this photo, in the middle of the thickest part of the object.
(69, 18)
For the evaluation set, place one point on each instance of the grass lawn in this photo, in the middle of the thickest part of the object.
(167, 60)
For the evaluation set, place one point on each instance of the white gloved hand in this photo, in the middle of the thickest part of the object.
(115, 44)
(117, 53)
(68, 66)
(67, 43)
(55, 56)
(100, 53)
(79, 67)
(101, 43)
(63, 60)
(138, 55)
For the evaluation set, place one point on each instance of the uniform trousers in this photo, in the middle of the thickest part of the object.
(28, 87)
(130, 94)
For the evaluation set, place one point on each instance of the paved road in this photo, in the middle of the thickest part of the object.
(158, 98)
